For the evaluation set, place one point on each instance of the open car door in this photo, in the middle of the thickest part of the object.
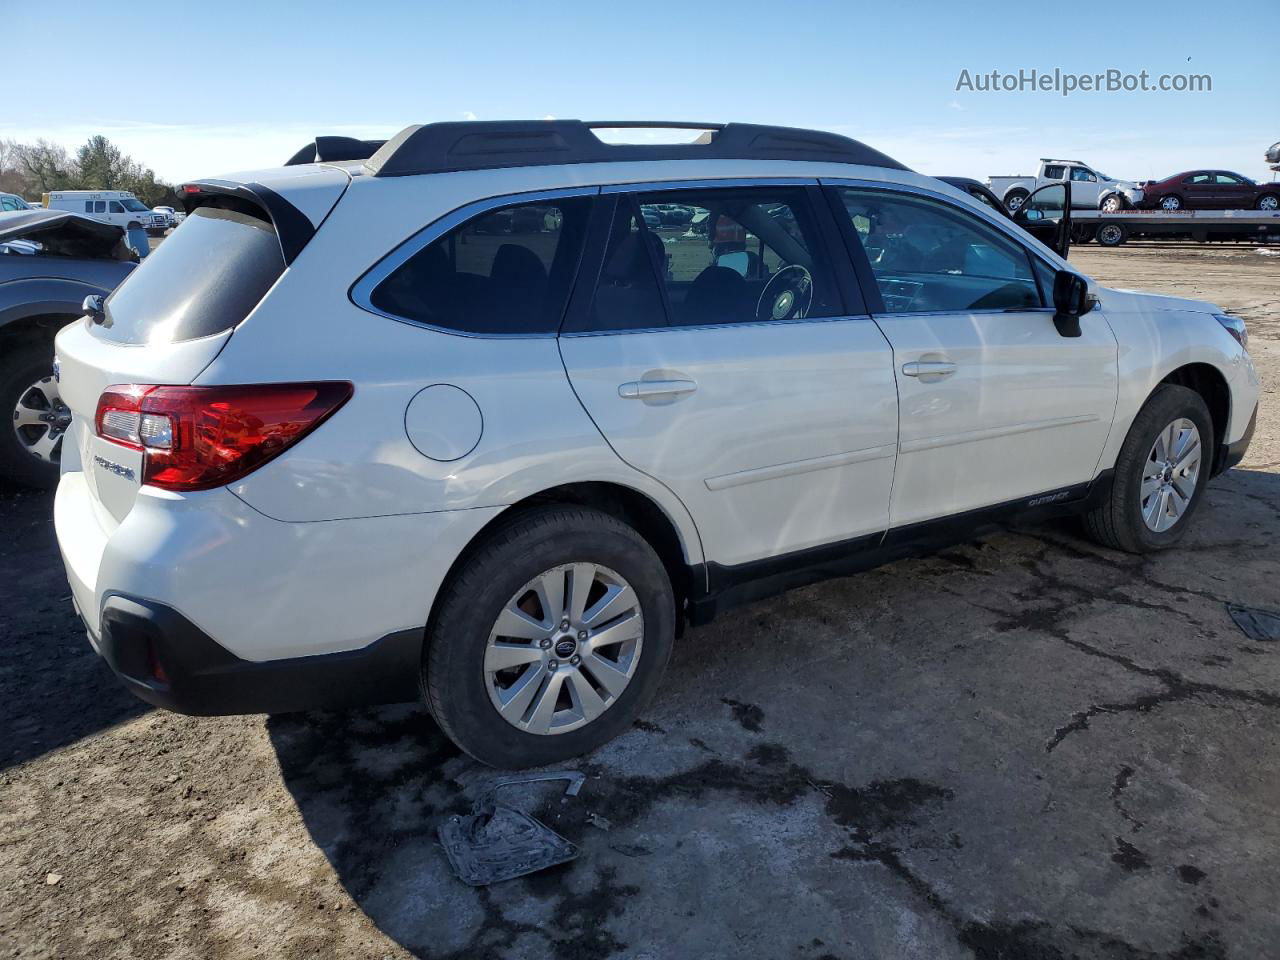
(1046, 215)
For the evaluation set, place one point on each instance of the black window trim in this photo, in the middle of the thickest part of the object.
(851, 305)
(862, 266)
(360, 293)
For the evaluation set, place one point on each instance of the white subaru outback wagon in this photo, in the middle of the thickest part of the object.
(489, 412)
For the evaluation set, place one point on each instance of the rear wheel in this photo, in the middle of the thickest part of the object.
(31, 447)
(1160, 474)
(1111, 235)
(551, 640)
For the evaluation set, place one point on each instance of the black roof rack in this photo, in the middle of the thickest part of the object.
(332, 149)
(490, 144)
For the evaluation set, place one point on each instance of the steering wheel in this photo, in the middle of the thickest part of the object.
(787, 295)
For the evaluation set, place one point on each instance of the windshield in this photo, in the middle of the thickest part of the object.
(203, 280)
(132, 204)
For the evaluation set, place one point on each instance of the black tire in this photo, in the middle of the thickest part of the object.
(1015, 199)
(1263, 200)
(1111, 234)
(19, 369)
(1112, 203)
(1171, 202)
(453, 678)
(1118, 522)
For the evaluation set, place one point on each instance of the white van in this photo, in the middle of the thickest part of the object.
(110, 206)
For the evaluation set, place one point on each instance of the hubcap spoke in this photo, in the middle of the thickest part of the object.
(514, 622)
(585, 698)
(550, 591)
(607, 674)
(626, 628)
(25, 416)
(617, 600)
(544, 707)
(521, 693)
(1190, 455)
(581, 578)
(504, 656)
(1151, 511)
(47, 447)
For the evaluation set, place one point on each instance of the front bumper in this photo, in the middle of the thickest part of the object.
(168, 661)
(1230, 454)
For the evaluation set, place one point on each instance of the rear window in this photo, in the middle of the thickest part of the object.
(508, 271)
(202, 280)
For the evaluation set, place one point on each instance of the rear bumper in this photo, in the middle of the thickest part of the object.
(168, 661)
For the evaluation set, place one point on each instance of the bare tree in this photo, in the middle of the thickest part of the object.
(46, 166)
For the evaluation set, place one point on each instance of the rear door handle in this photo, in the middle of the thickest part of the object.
(654, 389)
(928, 370)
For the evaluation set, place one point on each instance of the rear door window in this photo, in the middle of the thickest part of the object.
(506, 271)
(703, 257)
(203, 280)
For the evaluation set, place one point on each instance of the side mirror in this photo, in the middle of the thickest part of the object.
(92, 307)
(1071, 301)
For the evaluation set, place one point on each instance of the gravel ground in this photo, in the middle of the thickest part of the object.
(1023, 747)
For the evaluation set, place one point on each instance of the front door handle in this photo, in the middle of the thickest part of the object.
(656, 389)
(928, 370)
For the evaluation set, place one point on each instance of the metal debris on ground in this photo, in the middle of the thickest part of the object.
(1256, 624)
(496, 842)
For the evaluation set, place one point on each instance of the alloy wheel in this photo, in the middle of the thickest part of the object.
(564, 648)
(40, 420)
(1269, 203)
(1171, 203)
(1169, 475)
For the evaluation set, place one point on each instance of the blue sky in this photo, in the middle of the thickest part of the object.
(240, 85)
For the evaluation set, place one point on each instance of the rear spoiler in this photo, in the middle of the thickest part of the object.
(293, 229)
(334, 149)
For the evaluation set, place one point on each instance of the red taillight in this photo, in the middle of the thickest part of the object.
(195, 438)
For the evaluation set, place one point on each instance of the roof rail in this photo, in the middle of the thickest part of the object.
(489, 144)
(333, 149)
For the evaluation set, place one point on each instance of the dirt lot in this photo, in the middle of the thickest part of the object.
(1025, 747)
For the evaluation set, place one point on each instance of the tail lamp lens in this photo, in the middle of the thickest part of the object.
(196, 438)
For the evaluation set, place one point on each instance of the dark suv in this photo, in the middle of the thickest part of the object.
(50, 260)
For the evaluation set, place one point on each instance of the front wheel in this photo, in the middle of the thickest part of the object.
(551, 640)
(1171, 202)
(1269, 201)
(1112, 204)
(1160, 474)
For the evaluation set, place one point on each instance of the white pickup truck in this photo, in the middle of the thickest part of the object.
(1090, 189)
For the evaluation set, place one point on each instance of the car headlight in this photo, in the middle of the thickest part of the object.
(1234, 326)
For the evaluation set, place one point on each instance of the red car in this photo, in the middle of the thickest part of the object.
(1209, 190)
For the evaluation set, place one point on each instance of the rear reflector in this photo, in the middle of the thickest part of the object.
(196, 438)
